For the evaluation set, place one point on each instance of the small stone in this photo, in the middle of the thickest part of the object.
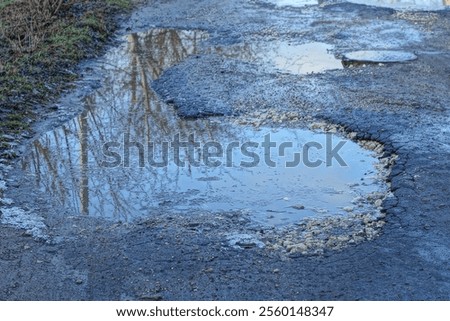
(370, 232)
(378, 203)
(367, 219)
(358, 199)
(244, 241)
(298, 207)
(287, 243)
(79, 281)
(381, 215)
(348, 209)
(300, 247)
(343, 239)
(276, 271)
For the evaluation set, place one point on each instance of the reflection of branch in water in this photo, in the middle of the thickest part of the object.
(84, 163)
(71, 167)
(119, 210)
(56, 180)
(246, 52)
(125, 104)
(35, 163)
(144, 81)
(159, 45)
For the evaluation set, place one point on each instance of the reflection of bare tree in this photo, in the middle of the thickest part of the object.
(56, 185)
(67, 161)
(84, 161)
(246, 52)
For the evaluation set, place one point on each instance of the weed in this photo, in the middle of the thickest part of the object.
(24, 22)
(94, 22)
(123, 4)
(68, 40)
(14, 126)
(15, 117)
(5, 3)
(40, 42)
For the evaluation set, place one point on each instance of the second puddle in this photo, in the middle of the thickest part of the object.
(395, 4)
(313, 57)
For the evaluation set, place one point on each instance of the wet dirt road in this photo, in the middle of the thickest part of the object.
(168, 256)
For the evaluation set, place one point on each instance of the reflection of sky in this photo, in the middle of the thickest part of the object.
(67, 161)
(293, 3)
(396, 4)
(314, 57)
(406, 4)
(305, 59)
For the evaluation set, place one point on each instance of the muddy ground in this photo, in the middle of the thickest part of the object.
(404, 106)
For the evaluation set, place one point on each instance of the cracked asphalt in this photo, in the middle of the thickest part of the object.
(404, 106)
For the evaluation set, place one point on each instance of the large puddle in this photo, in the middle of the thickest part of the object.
(129, 156)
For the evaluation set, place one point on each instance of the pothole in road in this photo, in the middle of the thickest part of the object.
(407, 4)
(284, 56)
(129, 156)
(276, 176)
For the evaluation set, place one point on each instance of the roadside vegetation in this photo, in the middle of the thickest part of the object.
(41, 42)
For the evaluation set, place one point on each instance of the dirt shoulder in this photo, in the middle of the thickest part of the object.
(40, 48)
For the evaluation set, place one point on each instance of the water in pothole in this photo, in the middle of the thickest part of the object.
(395, 4)
(313, 57)
(293, 3)
(407, 4)
(129, 156)
(378, 56)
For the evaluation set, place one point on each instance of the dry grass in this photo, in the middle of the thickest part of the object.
(40, 43)
(24, 22)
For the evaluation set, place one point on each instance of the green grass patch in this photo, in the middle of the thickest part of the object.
(94, 22)
(14, 126)
(5, 3)
(123, 4)
(15, 117)
(14, 122)
(13, 82)
(68, 40)
(38, 52)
